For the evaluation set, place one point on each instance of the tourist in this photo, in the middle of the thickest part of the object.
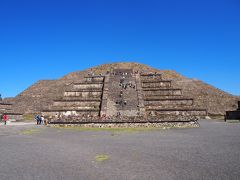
(56, 116)
(5, 119)
(46, 121)
(42, 120)
(38, 119)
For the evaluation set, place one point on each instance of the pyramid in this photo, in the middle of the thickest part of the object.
(123, 95)
(173, 93)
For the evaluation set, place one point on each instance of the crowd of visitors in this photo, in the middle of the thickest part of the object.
(41, 120)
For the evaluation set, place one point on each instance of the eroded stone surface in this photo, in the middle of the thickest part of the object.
(43, 93)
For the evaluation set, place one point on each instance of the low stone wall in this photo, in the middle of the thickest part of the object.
(129, 120)
(134, 125)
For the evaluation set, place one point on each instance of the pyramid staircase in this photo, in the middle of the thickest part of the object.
(122, 96)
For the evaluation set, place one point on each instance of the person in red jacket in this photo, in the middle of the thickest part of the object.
(5, 119)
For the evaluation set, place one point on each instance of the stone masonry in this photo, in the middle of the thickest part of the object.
(6, 108)
(123, 96)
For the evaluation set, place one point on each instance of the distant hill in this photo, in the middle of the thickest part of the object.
(41, 94)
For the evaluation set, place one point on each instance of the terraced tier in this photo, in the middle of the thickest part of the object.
(72, 108)
(76, 103)
(155, 111)
(163, 102)
(77, 98)
(91, 78)
(5, 105)
(87, 86)
(156, 84)
(162, 92)
(2, 110)
(84, 93)
(60, 116)
(151, 77)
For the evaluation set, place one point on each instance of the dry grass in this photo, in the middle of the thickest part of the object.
(101, 157)
(28, 117)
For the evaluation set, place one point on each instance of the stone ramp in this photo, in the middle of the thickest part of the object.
(122, 96)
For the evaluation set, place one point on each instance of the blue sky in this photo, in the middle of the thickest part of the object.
(44, 39)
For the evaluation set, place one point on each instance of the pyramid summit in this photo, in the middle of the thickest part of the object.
(123, 92)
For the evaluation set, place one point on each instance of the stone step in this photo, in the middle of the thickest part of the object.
(77, 98)
(176, 111)
(150, 77)
(161, 89)
(156, 84)
(168, 106)
(168, 101)
(166, 88)
(86, 90)
(56, 115)
(159, 98)
(5, 106)
(71, 108)
(87, 83)
(160, 92)
(77, 103)
(156, 81)
(150, 74)
(4, 103)
(94, 78)
(83, 94)
(88, 86)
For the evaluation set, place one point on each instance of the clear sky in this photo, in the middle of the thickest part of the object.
(46, 39)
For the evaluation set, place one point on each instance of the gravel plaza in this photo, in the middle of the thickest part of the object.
(37, 152)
